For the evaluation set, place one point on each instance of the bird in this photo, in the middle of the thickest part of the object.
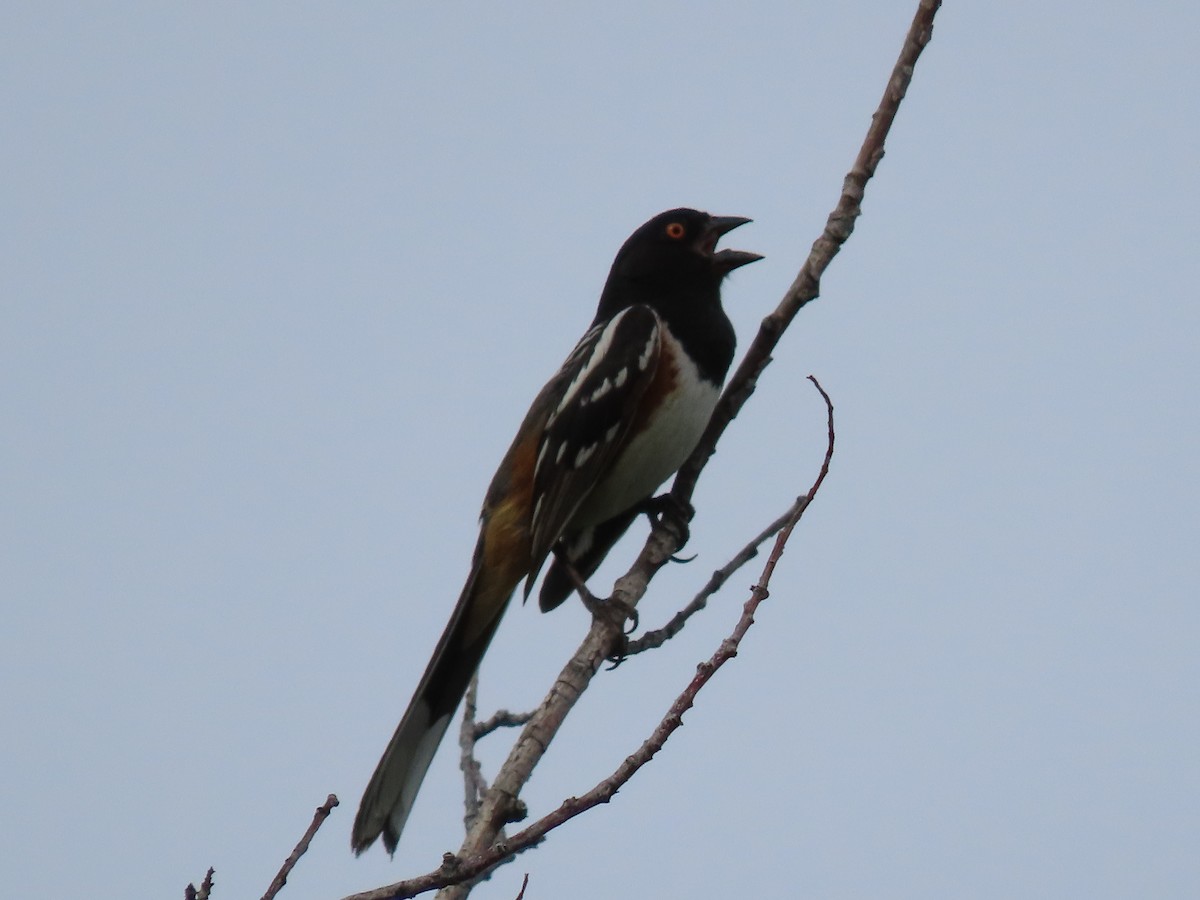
(621, 415)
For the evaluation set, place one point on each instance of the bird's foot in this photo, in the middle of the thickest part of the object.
(616, 611)
(674, 515)
(621, 615)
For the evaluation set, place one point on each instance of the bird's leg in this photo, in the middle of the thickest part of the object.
(618, 611)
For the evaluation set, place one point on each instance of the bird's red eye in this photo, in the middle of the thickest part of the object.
(675, 230)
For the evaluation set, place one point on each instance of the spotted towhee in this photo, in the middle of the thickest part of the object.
(620, 416)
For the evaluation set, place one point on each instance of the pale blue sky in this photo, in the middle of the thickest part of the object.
(280, 280)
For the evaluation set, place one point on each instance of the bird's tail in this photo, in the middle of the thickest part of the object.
(393, 788)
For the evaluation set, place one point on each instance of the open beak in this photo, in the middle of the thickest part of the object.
(727, 260)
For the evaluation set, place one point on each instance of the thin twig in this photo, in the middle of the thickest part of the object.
(659, 636)
(470, 732)
(474, 784)
(500, 719)
(838, 228)
(301, 848)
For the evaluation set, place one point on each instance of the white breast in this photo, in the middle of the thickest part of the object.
(656, 453)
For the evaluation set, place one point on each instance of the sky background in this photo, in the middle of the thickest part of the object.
(280, 280)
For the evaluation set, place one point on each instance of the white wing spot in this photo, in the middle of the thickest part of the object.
(644, 359)
(595, 357)
(612, 433)
(621, 378)
(604, 388)
(584, 455)
(562, 451)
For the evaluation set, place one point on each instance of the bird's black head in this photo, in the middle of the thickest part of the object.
(674, 254)
(678, 242)
(672, 265)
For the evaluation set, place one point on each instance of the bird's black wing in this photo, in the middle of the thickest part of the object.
(591, 422)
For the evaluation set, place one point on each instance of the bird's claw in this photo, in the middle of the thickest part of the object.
(673, 514)
(619, 655)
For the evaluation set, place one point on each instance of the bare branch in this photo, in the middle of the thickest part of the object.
(838, 228)
(301, 848)
(470, 733)
(502, 718)
(474, 784)
(480, 850)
